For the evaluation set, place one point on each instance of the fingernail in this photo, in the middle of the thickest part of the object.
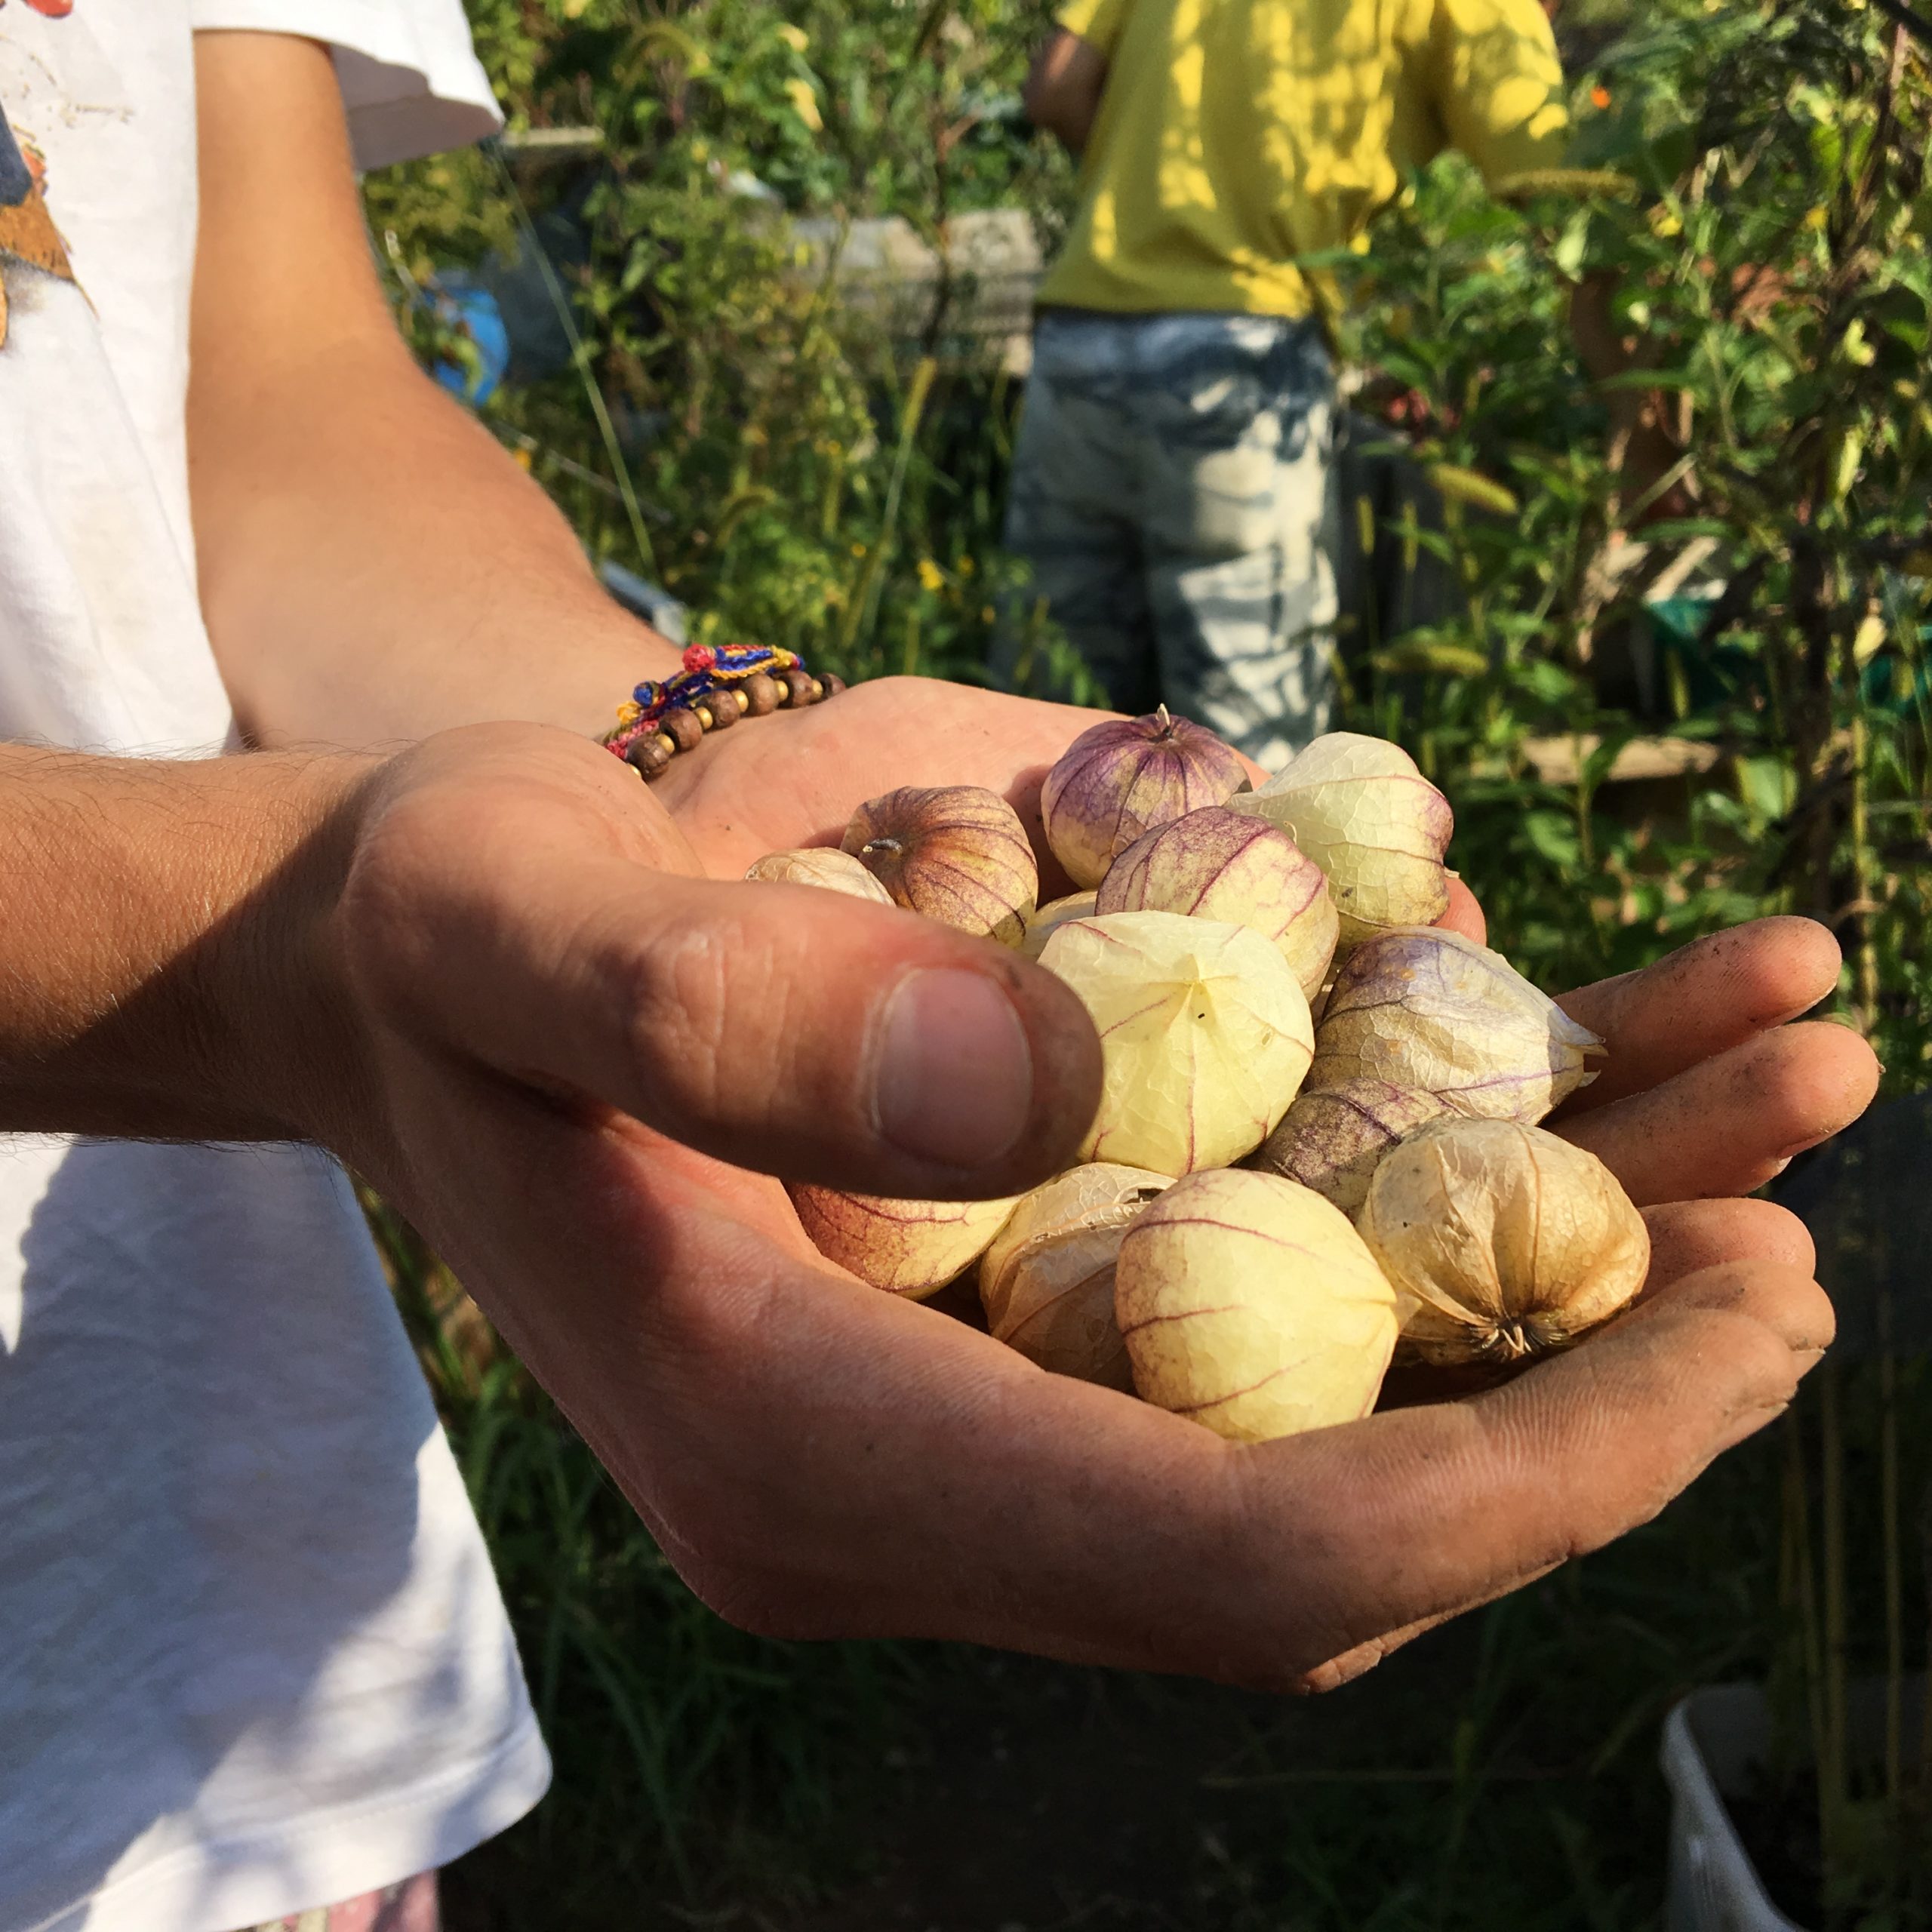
(953, 1079)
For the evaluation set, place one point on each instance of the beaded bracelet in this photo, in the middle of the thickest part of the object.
(719, 685)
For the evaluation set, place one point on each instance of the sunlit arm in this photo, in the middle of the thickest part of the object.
(1063, 89)
(374, 565)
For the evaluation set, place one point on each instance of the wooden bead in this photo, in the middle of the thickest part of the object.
(723, 706)
(833, 684)
(681, 726)
(648, 756)
(797, 688)
(761, 695)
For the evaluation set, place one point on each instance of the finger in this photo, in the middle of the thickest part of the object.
(1472, 1498)
(1715, 993)
(786, 1028)
(1352, 1664)
(821, 1459)
(1688, 1236)
(1786, 1299)
(1465, 915)
(1729, 1124)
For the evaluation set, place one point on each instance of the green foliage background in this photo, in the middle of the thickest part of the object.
(1751, 184)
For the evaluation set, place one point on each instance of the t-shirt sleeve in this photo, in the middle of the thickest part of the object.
(410, 78)
(1096, 22)
(1499, 85)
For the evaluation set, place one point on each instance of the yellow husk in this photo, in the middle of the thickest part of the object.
(1205, 1036)
(1430, 1011)
(911, 1248)
(1251, 1305)
(1362, 810)
(1504, 1241)
(823, 865)
(1047, 1283)
(1055, 912)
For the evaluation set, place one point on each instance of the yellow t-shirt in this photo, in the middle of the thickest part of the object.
(1234, 136)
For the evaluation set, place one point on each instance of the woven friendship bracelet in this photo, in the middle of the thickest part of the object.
(719, 685)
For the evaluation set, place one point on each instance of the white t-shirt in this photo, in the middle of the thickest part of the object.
(252, 1657)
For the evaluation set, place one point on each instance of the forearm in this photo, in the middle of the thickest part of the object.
(375, 567)
(1063, 92)
(163, 965)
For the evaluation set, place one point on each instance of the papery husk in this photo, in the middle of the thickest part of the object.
(1047, 1283)
(1333, 1139)
(958, 854)
(1055, 912)
(1204, 1036)
(1251, 1305)
(1361, 809)
(1434, 1012)
(1127, 776)
(1216, 864)
(1503, 1241)
(822, 866)
(911, 1248)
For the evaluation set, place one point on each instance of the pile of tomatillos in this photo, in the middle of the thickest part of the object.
(1317, 1150)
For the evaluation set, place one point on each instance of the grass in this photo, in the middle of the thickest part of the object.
(1501, 1773)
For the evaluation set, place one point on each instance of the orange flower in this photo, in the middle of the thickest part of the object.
(1599, 96)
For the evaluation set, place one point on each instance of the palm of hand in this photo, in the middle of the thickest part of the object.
(796, 781)
(821, 1458)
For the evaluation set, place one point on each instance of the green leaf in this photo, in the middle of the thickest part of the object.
(1654, 378)
(1418, 654)
(1469, 486)
(1554, 836)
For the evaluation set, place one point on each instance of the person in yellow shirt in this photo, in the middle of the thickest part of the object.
(1171, 484)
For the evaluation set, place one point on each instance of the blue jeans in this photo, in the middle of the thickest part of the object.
(1171, 489)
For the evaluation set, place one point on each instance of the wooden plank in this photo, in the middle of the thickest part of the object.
(1559, 760)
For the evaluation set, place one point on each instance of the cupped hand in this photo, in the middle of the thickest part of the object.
(579, 1051)
(796, 779)
(753, 792)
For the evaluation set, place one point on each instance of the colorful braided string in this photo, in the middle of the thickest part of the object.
(708, 668)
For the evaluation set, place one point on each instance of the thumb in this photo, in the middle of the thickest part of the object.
(784, 1029)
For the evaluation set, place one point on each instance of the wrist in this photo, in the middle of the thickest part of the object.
(284, 977)
(160, 958)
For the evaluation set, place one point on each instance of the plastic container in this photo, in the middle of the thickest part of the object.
(1712, 1743)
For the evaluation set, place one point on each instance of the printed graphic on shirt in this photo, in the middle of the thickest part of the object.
(27, 233)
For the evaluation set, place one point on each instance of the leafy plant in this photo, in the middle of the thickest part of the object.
(1749, 189)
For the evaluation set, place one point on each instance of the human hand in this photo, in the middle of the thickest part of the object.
(797, 778)
(752, 792)
(542, 1008)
